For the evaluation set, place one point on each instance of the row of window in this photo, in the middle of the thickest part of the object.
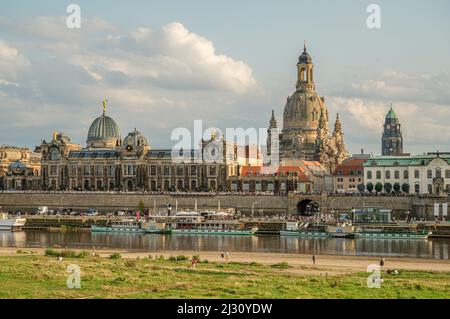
(130, 170)
(438, 174)
(351, 173)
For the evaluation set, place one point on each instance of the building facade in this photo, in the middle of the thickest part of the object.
(110, 163)
(305, 134)
(20, 168)
(349, 175)
(392, 138)
(420, 174)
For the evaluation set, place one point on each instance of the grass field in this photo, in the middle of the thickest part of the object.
(26, 275)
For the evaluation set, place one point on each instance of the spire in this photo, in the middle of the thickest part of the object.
(304, 46)
(273, 121)
(391, 113)
(337, 125)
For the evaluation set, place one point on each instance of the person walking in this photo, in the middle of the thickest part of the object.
(222, 257)
(227, 257)
(314, 259)
(382, 262)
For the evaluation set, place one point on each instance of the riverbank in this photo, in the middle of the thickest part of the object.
(27, 273)
(335, 264)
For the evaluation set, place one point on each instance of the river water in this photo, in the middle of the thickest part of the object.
(431, 248)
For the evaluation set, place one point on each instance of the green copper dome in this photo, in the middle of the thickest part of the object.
(391, 114)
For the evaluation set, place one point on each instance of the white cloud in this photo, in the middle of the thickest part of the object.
(152, 78)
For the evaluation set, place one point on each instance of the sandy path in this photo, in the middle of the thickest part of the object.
(300, 263)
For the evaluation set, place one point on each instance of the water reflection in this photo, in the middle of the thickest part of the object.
(432, 248)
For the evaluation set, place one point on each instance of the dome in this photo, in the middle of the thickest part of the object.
(304, 57)
(391, 114)
(103, 132)
(135, 138)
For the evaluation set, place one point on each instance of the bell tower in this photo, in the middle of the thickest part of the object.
(305, 74)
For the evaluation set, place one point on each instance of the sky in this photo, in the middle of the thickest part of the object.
(164, 64)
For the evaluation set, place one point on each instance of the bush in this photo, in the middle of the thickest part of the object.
(397, 187)
(130, 263)
(405, 188)
(67, 253)
(281, 265)
(115, 256)
(196, 257)
(369, 187)
(178, 258)
(378, 187)
(387, 187)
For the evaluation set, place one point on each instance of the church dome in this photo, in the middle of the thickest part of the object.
(135, 138)
(304, 57)
(103, 132)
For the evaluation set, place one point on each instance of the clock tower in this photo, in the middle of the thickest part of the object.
(392, 139)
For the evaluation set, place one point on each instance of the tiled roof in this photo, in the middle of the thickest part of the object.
(351, 164)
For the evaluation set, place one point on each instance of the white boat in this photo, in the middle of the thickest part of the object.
(11, 224)
(192, 223)
(120, 226)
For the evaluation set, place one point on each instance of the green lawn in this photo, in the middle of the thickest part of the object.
(32, 276)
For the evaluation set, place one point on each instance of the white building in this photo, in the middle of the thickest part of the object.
(424, 174)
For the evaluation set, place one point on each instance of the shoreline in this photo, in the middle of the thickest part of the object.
(301, 263)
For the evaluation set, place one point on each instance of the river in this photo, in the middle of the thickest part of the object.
(431, 248)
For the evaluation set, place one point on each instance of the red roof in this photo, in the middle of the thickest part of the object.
(351, 164)
(296, 171)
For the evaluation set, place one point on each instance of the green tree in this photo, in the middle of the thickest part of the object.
(387, 187)
(361, 188)
(369, 187)
(378, 187)
(397, 187)
(141, 206)
(405, 188)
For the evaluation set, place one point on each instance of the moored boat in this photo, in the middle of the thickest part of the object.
(11, 223)
(381, 234)
(120, 226)
(193, 223)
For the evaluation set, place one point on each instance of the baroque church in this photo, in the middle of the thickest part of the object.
(305, 134)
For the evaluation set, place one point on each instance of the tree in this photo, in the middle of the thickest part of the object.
(361, 188)
(397, 187)
(378, 187)
(387, 187)
(405, 188)
(369, 187)
(141, 206)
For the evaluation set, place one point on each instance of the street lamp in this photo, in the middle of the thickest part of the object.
(253, 207)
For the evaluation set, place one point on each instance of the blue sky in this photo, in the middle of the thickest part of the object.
(360, 71)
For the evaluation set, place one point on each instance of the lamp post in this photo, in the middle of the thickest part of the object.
(253, 207)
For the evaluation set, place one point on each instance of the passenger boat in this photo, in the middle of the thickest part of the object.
(120, 226)
(383, 234)
(193, 223)
(304, 230)
(11, 223)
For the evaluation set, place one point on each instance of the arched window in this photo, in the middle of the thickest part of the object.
(438, 173)
(369, 174)
(388, 174)
(397, 175)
